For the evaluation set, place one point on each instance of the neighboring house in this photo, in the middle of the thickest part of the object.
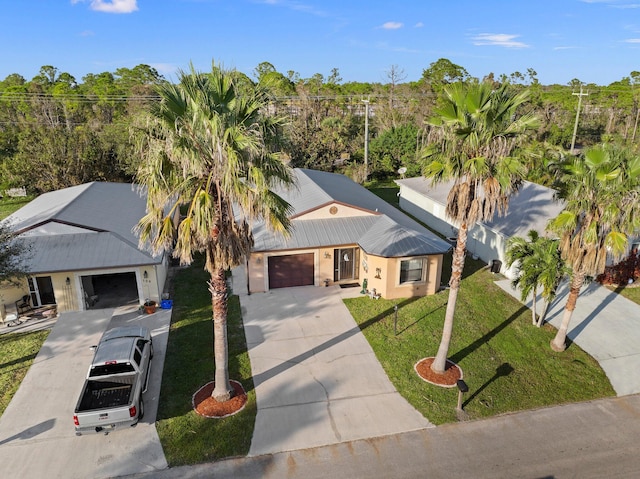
(344, 234)
(83, 248)
(530, 208)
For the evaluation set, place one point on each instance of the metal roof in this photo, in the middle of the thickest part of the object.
(314, 233)
(388, 239)
(76, 252)
(88, 226)
(385, 230)
(531, 207)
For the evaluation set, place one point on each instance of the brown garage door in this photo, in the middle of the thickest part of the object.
(290, 270)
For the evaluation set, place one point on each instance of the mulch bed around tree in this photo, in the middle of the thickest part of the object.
(206, 406)
(452, 373)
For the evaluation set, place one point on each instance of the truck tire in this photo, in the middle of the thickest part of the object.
(141, 407)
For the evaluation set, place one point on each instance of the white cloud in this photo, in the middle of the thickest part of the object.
(564, 48)
(632, 40)
(419, 25)
(392, 25)
(111, 6)
(498, 39)
(296, 6)
(615, 3)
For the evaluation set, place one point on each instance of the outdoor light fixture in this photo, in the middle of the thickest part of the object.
(327, 255)
(259, 260)
(145, 275)
(68, 281)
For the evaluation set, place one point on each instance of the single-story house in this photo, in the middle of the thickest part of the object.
(530, 208)
(83, 248)
(344, 234)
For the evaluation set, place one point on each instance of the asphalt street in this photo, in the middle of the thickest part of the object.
(595, 439)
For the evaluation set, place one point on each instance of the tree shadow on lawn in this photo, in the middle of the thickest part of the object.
(424, 316)
(463, 353)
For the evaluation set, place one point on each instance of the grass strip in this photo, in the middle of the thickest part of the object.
(17, 352)
(186, 437)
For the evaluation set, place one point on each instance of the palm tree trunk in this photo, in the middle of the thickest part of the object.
(534, 307)
(542, 317)
(219, 297)
(558, 343)
(440, 361)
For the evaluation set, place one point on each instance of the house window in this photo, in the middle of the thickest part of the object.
(411, 270)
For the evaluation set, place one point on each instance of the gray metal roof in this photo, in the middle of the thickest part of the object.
(315, 233)
(101, 206)
(388, 239)
(530, 208)
(390, 226)
(101, 217)
(76, 252)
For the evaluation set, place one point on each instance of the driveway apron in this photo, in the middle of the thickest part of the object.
(604, 324)
(37, 436)
(317, 380)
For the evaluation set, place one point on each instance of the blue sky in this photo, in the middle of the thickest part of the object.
(595, 41)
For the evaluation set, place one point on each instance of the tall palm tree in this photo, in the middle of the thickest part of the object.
(205, 153)
(475, 137)
(538, 265)
(602, 210)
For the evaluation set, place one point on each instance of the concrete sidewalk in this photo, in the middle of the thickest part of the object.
(604, 324)
(317, 380)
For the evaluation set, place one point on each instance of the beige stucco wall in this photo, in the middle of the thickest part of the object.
(341, 211)
(69, 297)
(387, 282)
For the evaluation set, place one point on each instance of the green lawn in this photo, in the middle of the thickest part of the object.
(9, 205)
(630, 293)
(507, 363)
(186, 437)
(17, 352)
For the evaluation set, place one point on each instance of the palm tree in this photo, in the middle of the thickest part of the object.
(519, 251)
(602, 210)
(475, 137)
(205, 153)
(538, 264)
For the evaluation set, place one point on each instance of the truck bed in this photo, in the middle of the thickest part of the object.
(104, 394)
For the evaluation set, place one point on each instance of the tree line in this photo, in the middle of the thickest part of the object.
(56, 131)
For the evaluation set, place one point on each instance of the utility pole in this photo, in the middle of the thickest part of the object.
(366, 139)
(575, 126)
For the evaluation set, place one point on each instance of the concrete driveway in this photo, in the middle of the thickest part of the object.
(317, 380)
(37, 436)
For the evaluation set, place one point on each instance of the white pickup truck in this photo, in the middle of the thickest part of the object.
(118, 375)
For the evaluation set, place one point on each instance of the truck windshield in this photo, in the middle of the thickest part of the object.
(107, 369)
